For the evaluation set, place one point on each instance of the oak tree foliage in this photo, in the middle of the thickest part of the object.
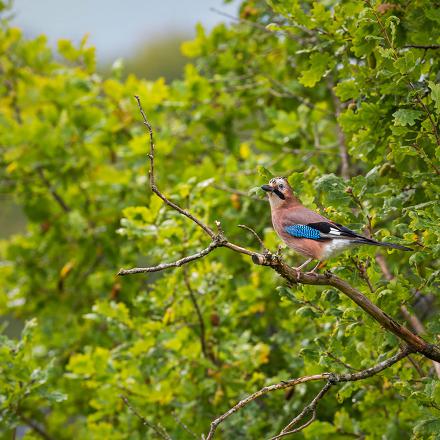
(343, 97)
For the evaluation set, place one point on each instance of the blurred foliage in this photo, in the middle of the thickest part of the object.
(161, 57)
(12, 219)
(270, 94)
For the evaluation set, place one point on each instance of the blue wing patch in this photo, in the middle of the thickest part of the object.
(303, 231)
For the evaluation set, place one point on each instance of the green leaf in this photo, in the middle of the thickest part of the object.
(406, 63)
(264, 172)
(406, 116)
(347, 90)
(318, 64)
(435, 95)
(428, 426)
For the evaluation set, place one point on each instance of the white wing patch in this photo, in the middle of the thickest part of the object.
(334, 231)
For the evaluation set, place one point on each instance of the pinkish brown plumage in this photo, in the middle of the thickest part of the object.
(307, 232)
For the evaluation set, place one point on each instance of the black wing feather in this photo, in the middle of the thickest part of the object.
(336, 230)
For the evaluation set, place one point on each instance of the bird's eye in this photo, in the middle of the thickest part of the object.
(280, 186)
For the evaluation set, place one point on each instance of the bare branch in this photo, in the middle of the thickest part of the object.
(279, 386)
(369, 372)
(215, 244)
(159, 430)
(152, 176)
(331, 379)
(310, 408)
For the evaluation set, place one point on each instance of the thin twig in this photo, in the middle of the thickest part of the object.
(359, 203)
(430, 117)
(360, 266)
(416, 366)
(152, 179)
(207, 353)
(425, 157)
(310, 408)
(184, 426)
(159, 430)
(339, 361)
(422, 46)
(263, 247)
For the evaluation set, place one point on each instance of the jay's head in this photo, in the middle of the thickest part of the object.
(278, 190)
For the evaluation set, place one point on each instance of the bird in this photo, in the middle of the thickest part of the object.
(307, 232)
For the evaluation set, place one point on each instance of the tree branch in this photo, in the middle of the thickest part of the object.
(52, 191)
(331, 378)
(311, 407)
(413, 320)
(34, 426)
(206, 352)
(279, 386)
(214, 244)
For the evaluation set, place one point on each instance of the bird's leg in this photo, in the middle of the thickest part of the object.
(298, 269)
(316, 267)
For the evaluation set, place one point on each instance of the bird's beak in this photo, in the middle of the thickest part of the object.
(269, 188)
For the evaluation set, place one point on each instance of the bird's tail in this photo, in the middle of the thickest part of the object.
(380, 243)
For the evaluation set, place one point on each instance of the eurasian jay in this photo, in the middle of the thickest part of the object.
(307, 232)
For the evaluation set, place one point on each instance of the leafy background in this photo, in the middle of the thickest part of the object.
(289, 89)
